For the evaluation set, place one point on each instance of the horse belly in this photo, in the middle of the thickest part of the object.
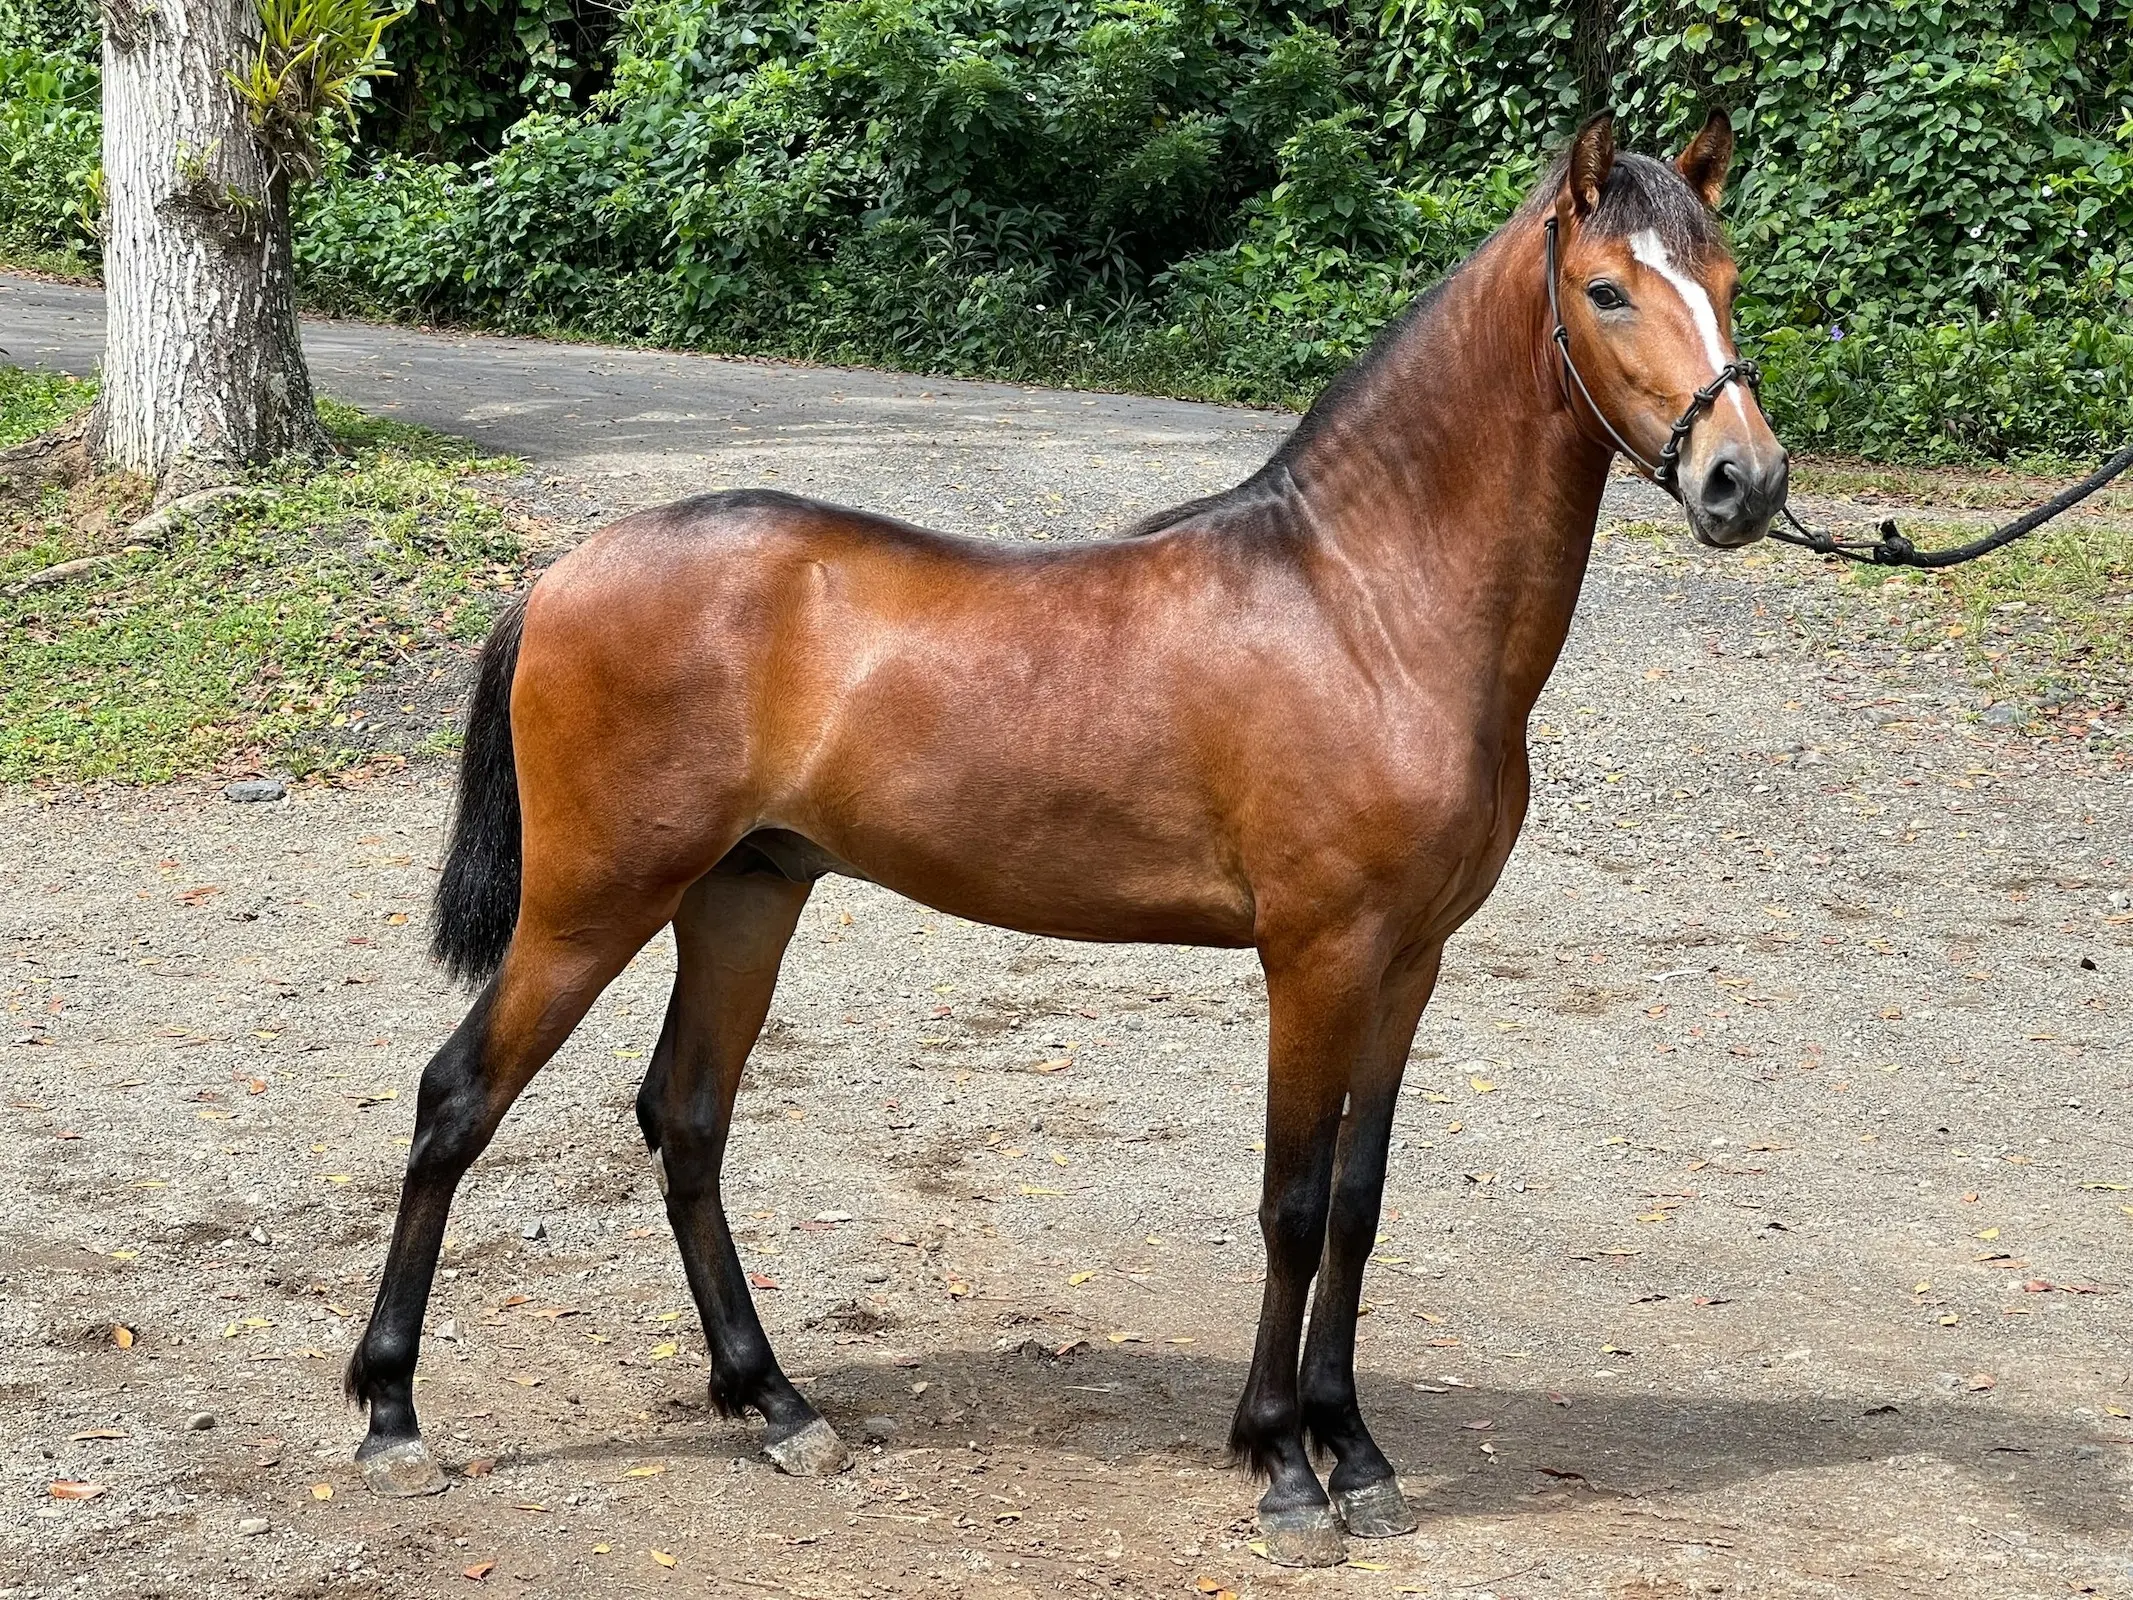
(1076, 841)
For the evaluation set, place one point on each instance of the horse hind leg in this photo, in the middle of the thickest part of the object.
(730, 935)
(551, 975)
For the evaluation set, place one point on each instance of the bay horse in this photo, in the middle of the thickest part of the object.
(1291, 717)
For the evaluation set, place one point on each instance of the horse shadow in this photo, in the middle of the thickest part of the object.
(1168, 1407)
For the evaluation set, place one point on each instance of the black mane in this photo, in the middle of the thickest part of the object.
(1640, 195)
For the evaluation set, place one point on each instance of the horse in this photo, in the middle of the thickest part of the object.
(1290, 717)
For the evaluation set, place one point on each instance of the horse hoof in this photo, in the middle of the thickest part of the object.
(1309, 1536)
(1375, 1511)
(814, 1451)
(402, 1471)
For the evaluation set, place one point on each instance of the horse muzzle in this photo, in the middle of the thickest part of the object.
(1741, 491)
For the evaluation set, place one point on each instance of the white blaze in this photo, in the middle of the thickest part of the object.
(1645, 246)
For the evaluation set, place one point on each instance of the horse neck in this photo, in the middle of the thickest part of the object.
(1452, 491)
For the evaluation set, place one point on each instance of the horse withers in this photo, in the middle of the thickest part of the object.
(1290, 717)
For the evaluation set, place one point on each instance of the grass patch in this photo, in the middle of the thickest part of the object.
(2053, 607)
(36, 402)
(1971, 489)
(239, 638)
(65, 262)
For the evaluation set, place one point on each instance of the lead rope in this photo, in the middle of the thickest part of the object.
(1892, 549)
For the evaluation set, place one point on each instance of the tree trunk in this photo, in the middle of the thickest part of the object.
(203, 369)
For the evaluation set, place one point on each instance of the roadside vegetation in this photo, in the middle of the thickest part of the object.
(1935, 212)
(239, 635)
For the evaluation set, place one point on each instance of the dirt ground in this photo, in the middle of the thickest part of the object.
(1759, 1218)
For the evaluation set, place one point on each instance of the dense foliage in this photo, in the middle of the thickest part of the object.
(49, 127)
(466, 70)
(1227, 197)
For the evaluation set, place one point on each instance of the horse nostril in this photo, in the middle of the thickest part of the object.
(1725, 489)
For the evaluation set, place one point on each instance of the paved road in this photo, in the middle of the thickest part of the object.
(669, 424)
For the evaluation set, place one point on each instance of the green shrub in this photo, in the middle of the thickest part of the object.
(50, 129)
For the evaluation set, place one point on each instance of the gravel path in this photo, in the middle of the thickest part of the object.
(1757, 1223)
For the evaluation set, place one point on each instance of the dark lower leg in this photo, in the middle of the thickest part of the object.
(546, 984)
(1330, 1412)
(1318, 1022)
(730, 934)
(453, 1123)
(1364, 1486)
(1267, 1431)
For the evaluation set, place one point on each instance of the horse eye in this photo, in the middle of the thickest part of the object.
(1606, 296)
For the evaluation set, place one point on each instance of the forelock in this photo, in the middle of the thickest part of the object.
(1646, 196)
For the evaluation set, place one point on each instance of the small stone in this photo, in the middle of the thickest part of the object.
(2004, 715)
(833, 1216)
(249, 1527)
(536, 1229)
(200, 1421)
(256, 1234)
(246, 791)
(877, 1430)
(448, 1329)
(874, 1272)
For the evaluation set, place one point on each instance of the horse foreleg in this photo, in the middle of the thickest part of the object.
(730, 934)
(548, 981)
(1320, 1011)
(1366, 1491)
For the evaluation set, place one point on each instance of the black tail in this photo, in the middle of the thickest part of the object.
(477, 897)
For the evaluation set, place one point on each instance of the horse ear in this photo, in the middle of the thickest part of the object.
(1708, 156)
(1592, 157)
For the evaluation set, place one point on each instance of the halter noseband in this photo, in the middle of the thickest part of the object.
(1665, 469)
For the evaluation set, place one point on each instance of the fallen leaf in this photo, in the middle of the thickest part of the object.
(479, 1571)
(1481, 1085)
(959, 1290)
(652, 1470)
(480, 1467)
(1032, 1189)
(1077, 1279)
(1978, 1382)
(113, 1433)
(1479, 1425)
(662, 1352)
(1059, 1065)
(763, 1280)
(1989, 1233)
(662, 1558)
(122, 1336)
(603, 1549)
(322, 1491)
